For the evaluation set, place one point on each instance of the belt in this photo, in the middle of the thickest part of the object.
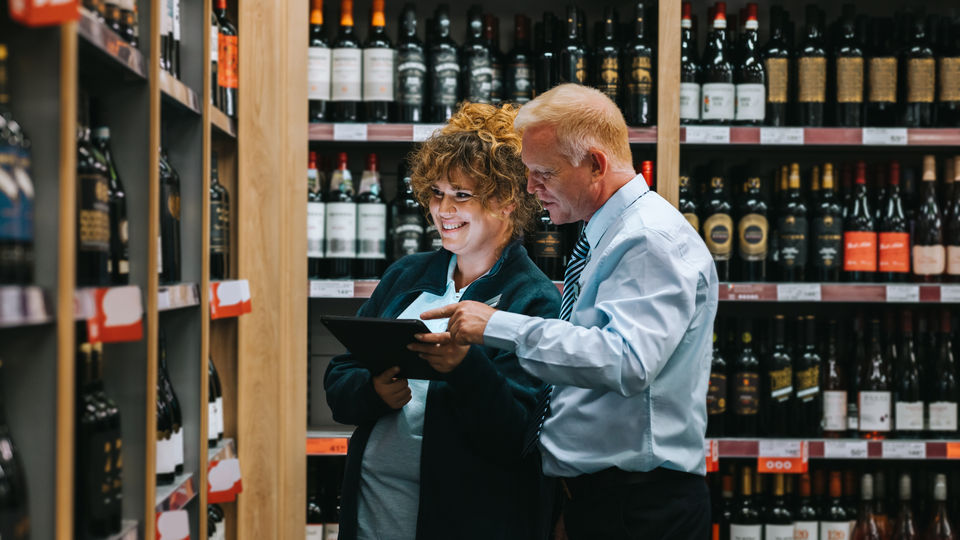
(607, 478)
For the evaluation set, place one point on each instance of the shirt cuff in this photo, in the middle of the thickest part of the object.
(503, 329)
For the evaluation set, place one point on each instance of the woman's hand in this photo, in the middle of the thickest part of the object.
(394, 392)
(443, 353)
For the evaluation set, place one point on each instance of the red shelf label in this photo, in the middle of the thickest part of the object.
(327, 446)
(229, 299)
(224, 481)
(174, 525)
(712, 448)
(44, 12)
(118, 315)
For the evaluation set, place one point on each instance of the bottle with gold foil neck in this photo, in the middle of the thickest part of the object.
(792, 230)
(777, 383)
(746, 519)
(929, 254)
(688, 202)
(718, 226)
(752, 232)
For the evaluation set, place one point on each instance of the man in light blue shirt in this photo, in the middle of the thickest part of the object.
(630, 354)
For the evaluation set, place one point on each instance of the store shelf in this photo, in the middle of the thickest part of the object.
(24, 306)
(128, 531)
(179, 93)
(404, 133)
(328, 442)
(178, 296)
(224, 449)
(839, 448)
(229, 298)
(820, 136)
(113, 46)
(177, 495)
(223, 123)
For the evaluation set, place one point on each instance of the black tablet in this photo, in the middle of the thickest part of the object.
(379, 344)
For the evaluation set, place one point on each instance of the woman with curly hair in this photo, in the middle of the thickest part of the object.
(443, 459)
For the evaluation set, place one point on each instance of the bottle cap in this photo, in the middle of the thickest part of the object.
(686, 17)
(940, 488)
(377, 18)
(866, 488)
(904, 487)
(861, 173)
(894, 173)
(346, 12)
(316, 12)
(342, 160)
(929, 168)
(720, 15)
(371, 162)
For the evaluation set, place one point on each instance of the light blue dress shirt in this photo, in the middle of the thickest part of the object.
(631, 366)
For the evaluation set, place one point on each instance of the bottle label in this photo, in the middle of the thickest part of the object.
(10, 218)
(747, 393)
(521, 76)
(341, 233)
(331, 531)
(929, 260)
(228, 61)
(812, 79)
(793, 241)
(849, 80)
(547, 245)
(166, 458)
(860, 251)
(609, 82)
(909, 416)
(834, 410)
(953, 258)
(778, 79)
(778, 532)
(828, 238)
(753, 237)
(346, 75)
(378, 71)
(875, 411)
(689, 101)
(751, 102)
(479, 78)
(746, 532)
(717, 394)
(921, 73)
(212, 421)
(694, 222)
(718, 233)
(718, 101)
(894, 252)
(219, 222)
(219, 415)
(805, 530)
(883, 80)
(176, 20)
(853, 416)
(808, 383)
(641, 81)
(407, 236)
(411, 76)
(315, 532)
(943, 416)
(949, 79)
(834, 530)
(316, 226)
(371, 231)
(178, 446)
(446, 73)
(781, 383)
(214, 42)
(94, 216)
(318, 73)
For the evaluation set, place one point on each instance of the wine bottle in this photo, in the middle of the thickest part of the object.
(638, 106)
(718, 103)
(341, 222)
(809, 403)
(867, 527)
(545, 247)
(477, 61)
(874, 390)
(166, 31)
(316, 220)
(750, 75)
(93, 210)
(94, 451)
(835, 521)
(175, 40)
(572, 52)
(13, 482)
(118, 265)
(717, 391)
(169, 250)
(859, 233)
(952, 229)
(546, 68)
(848, 73)
(114, 475)
(778, 524)
(894, 237)
(318, 65)
(834, 387)
(827, 230)
(811, 72)
(411, 69)
(723, 512)
(776, 62)
(406, 219)
(346, 75)
(752, 232)
(379, 68)
(919, 76)
(444, 68)
(606, 57)
(929, 255)
(792, 231)
(130, 27)
(948, 77)
(944, 394)
(940, 527)
(214, 399)
(519, 75)
(371, 223)
(214, 59)
(491, 36)
(687, 203)
(16, 190)
(807, 516)
(908, 400)
(166, 463)
(745, 523)
(746, 386)
(778, 383)
(718, 227)
(689, 69)
(173, 402)
(219, 224)
(905, 527)
(882, 72)
(227, 60)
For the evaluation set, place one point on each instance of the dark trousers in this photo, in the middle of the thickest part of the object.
(657, 505)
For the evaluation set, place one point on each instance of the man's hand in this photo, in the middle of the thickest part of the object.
(394, 392)
(443, 353)
(468, 320)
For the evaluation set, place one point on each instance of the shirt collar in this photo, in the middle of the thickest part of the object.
(613, 208)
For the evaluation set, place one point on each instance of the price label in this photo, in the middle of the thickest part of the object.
(422, 132)
(35, 305)
(953, 450)
(904, 450)
(119, 315)
(784, 136)
(950, 293)
(782, 448)
(173, 525)
(327, 446)
(331, 289)
(781, 465)
(349, 132)
(903, 293)
(782, 456)
(885, 136)
(798, 292)
(229, 299)
(712, 449)
(708, 135)
(163, 299)
(224, 481)
(845, 449)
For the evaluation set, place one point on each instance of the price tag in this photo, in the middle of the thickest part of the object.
(712, 449)
(224, 481)
(885, 136)
(708, 135)
(349, 132)
(845, 449)
(331, 289)
(327, 446)
(44, 12)
(950, 293)
(798, 292)
(35, 305)
(229, 299)
(786, 136)
(422, 132)
(903, 293)
(173, 525)
(782, 448)
(119, 315)
(904, 450)
(783, 456)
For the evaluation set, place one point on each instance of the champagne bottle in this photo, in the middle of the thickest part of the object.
(929, 255)
(411, 80)
(318, 65)
(346, 76)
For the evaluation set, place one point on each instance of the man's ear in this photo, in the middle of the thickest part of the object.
(599, 164)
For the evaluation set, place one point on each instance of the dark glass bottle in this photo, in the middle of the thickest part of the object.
(371, 223)
(214, 60)
(882, 72)
(745, 390)
(750, 75)
(118, 265)
(93, 212)
(173, 402)
(546, 68)
(13, 481)
(940, 527)
(545, 247)
(379, 68)
(637, 77)
(848, 73)
(867, 527)
(929, 254)
(572, 52)
(718, 92)
(753, 232)
(874, 390)
(835, 394)
(807, 515)
(444, 68)
(859, 233)
(477, 61)
(792, 231)
(778, 524)
(918, 77)
(688, 203)
(827, 230)
(948, 79)
(951, 234)
(491, 36)
(169, 253)
(406, 220)
(93, 451)
(747, 518)
(943, 394)
(894, 237)
(718, 226)
(689, 69)
(346, 75)
(605, 63)
(316, 220)
(807, 383)
(411, 77)
(518, 79)
(778, 383)
(17, 192)
(113, 476)
(905, 527)
(811, 72)
(318, 68)
(725, 506)
(776, 62)
(717, 398)
(227, 60)
(219, 224)
(908, 401)
(835, 520)
(165, 455)
(341, 222)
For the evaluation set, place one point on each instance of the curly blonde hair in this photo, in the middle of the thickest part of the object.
(479, 142)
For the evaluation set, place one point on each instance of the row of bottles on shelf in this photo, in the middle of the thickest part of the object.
(122, 16)
(216, 523)
(833, 504)
(883, 378)
(14, 501)
(224, 60)
(16, 190)
(860, 71)
(323, 497)
(422, 82)
(884, 226)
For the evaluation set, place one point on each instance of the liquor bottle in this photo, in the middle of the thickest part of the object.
(491, 36)
(882, 72)
(723, 512)
(16, 169)
(809, 403)
(318, 65)
(166, 32)
(572, 52)
(114, 475)
(776, 63)
(341, 224)
(951, 234)
(219, 224)
(746, 386)
(94, 449)
(314, 511)
(718, 227)
(940, 527)
(546, 69)
(827, 230)
(606, 57)
(752, 232)
(894, 237)
(175, 40)
(778, 383)
(874, 391)
(637, 66)
(919, 77)
(545, 247)
(807, 516)
(848, 74)
(745, 523)
(718, 101)
(112, 15)
(905, 527)
(908, 400)
(867, 527)
(131, 26)
(215, 60)
(778, 523)
(169, 242)
(346, 75)
(942, 409)
(444, 68)
(166, 461)
(859, 233)
(214, 401)
(519, 76)
(173, 402)
(792, 231)
(834, 387)
(811, 72)
(835, 520)
(687, 203)
(118, 265)
(689, 69)
(13, 483)
(948, 77)
(411, 69)
(717, 391)
(316, 220)
(379, 68)
(93, 211)
(477, 61)
(750, 75)
(406, 220)
(929, 255)
(371, 223)
(227, 60)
